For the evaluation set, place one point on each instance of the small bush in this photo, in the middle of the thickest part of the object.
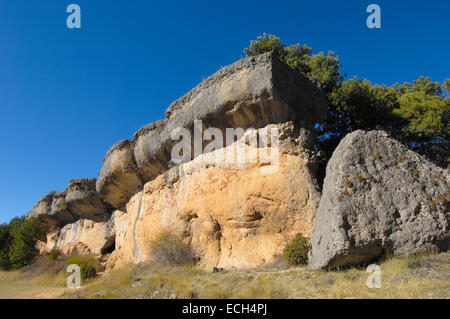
(296, 253)
(53, 254)
(169, 250)
(87, 266)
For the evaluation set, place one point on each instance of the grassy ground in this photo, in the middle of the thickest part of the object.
(14, 284)
(415, 277)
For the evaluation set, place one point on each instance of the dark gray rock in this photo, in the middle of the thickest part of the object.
(379, 198)
(59, 209)
(84, 202)
(150, 155)
(119, 177)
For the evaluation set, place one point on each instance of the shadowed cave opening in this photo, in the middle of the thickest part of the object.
(109, 246)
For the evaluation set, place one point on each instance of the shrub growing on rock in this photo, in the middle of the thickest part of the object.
(169, 250)
(53, 254)
(87, 266)
(296, 253)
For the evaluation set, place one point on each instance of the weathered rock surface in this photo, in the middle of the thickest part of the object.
(82, 237)
(232, 214)
(252, 92)
(84, 202)
(379, 198)
(59, 209)
(151, 158)
(119, 177)
(79, 201)
(42, 210)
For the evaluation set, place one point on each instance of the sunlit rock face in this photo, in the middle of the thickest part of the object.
(78, 201)
(232, 214)
(379, 199)
(83, 237)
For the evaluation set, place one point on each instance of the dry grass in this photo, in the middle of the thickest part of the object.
(415, 277)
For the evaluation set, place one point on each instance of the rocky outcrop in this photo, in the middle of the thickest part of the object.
(78, 201)
(379, 198)
(84, 202)
(119, 177)
(151, 157)
(43, 211)
(59, 209)
(82, 237)
(252, 92)
(232, 214)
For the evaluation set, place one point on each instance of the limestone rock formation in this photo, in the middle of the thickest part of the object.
(59, 209)
(151, 157)
(379, 198)
(252, 92)
(82, 237)
(84, 202)
(232, 214)
(119, 177)
(79, 200)
(42, 210)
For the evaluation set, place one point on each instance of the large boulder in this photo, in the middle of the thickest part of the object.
(119, 178)
(379, 199)
(84, 202)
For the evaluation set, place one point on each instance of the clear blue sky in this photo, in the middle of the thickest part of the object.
(67, 95)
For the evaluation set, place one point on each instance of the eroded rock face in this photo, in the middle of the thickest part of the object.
(42, 210)
(84, 202)
(119, 177)
(79, 201)
(232, 214)
(82, 237)
(379, 198)
(149, 153)
(253, 92)
(59, 209)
